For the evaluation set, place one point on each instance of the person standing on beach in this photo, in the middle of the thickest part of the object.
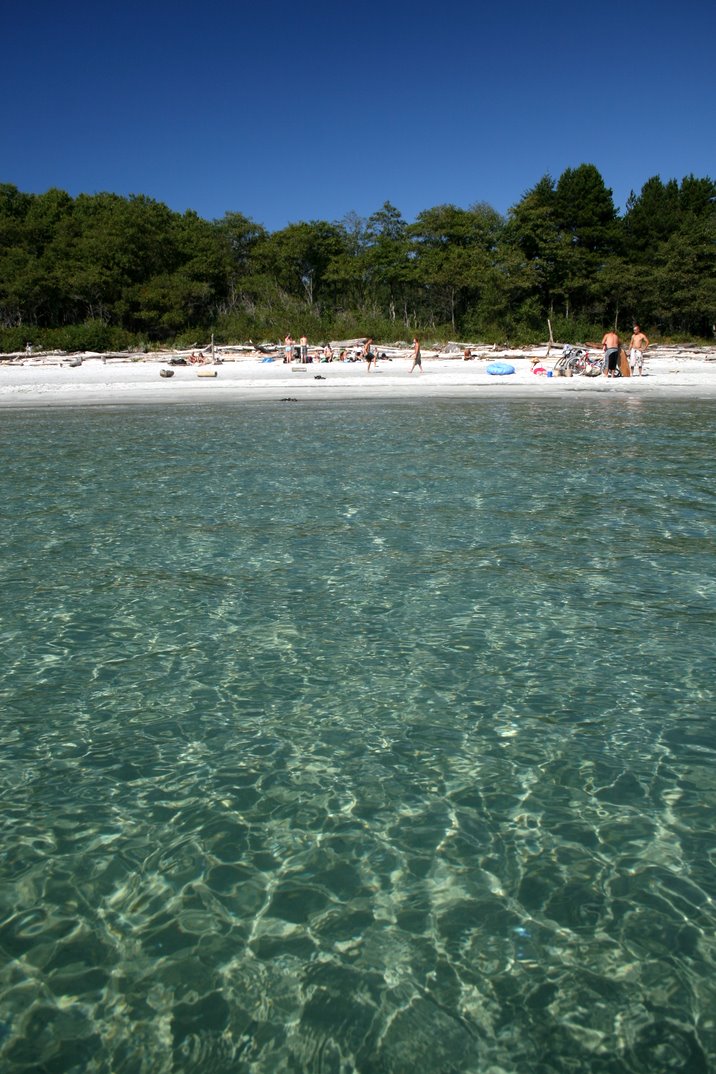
(288, 352)
(368, 354)
(304, 349)
(637, 346)
(417, 356)
(610, 345)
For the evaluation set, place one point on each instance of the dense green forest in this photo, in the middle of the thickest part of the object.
(102, 271)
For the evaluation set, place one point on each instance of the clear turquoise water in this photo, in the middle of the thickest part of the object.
(358, 738)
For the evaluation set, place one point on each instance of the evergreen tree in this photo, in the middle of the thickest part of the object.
(132, 264)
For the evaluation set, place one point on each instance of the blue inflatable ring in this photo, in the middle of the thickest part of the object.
(500, 369)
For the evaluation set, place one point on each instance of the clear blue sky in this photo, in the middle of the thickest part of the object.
(285, 111)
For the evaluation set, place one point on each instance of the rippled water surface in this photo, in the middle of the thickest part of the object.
(358, 738)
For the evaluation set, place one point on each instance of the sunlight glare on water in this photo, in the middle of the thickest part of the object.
(358, 738)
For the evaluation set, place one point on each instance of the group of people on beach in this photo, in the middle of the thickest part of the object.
(371, 358)
(611, 345)
(365, 352)
(299, 352)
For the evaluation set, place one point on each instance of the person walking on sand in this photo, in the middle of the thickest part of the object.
(368, 354)
(610, 345)
(303, 342)
(288, 349)
(637, 345)
(417, 356)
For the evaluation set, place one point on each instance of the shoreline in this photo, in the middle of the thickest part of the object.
(116, 382)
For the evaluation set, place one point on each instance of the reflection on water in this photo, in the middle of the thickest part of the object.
(358, 738)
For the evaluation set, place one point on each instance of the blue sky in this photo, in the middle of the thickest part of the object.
(288, 112)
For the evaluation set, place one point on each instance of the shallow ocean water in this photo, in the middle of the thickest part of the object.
(371, 738)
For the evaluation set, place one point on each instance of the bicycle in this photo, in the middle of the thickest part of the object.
(577, 361)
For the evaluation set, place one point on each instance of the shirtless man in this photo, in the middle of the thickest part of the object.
(417, 356)
(610, 345)
(288, 349)
(637, 345)
(369, 355)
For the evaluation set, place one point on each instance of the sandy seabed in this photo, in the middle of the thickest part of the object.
(99, 382)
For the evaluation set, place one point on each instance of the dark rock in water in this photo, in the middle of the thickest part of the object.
(289, 399)
(166, 372)
(319, 377)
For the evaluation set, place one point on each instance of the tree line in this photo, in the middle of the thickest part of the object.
(103, 271)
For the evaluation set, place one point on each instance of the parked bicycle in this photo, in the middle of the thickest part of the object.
(577, 361)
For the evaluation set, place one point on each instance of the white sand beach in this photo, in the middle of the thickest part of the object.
(91, 380)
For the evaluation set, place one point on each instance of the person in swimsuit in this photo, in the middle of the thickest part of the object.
(368, 354)
(610, 345)
(417, 356)
(288, 349)
(637, 345)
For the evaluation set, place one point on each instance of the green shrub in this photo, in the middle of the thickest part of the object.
(16, 339)
(91, 336)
